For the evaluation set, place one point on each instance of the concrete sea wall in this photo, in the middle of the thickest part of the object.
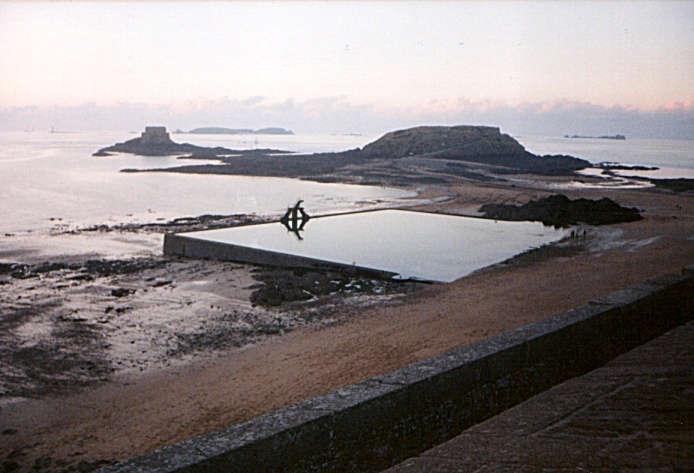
(182, 245)
(379, 422)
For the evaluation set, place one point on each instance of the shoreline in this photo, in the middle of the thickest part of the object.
(347, 340)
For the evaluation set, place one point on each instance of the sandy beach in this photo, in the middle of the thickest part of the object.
(179, 370)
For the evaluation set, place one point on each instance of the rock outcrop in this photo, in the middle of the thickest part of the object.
(155, 141)
(283, 286)
(476, 144)
(560, 211)
(461, 141)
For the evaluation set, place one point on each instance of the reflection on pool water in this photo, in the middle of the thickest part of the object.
(415, 245)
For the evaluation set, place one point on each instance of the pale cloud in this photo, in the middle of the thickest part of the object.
(401, 54)
(337, 114)
(687, 106)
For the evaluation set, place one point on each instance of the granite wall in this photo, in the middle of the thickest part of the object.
(379, 422)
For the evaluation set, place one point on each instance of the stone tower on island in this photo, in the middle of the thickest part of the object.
(155, 135)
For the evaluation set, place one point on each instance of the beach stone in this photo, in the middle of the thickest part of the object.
(122, 292)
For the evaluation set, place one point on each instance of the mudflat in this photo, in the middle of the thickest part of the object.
(165, 392)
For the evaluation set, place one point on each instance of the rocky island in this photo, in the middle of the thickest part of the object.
(472, 144)
(156, 141)
(420, 155)
(414, 156)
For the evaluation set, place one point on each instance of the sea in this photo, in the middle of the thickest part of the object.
(49, 179)
(673, 158)
(52, 178)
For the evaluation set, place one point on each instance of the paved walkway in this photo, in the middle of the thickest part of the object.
(634, 414)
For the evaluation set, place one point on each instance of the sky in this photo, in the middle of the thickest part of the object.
(577, 67)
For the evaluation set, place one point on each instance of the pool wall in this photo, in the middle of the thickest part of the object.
(178, 244)
(419, 245)
(380, 422)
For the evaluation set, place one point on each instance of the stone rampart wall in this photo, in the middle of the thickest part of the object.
(374, 424)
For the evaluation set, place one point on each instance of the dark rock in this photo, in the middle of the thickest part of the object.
(285, 286)
(42, 463)
(122, 292)
(459, 169)
(86, 467)
(16, 453)
(478, 144)
(8, 466)
(202, 222)
(624, 167)
(675, 185)
(279, 290)
(377, 163)
(161, 283)
(10, 268)
(80, 277)
(113, 267)
(560, 211)
(155, 141)
(208, 153)
(467, 141)
(23, 272)
(48, 267)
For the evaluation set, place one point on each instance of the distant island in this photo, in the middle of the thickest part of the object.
(604, 137)
(216, 130)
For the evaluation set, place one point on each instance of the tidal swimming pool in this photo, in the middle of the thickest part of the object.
(410, 244)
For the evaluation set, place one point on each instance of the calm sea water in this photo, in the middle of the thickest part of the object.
(47, 178)
(674, 158)
(53, 178)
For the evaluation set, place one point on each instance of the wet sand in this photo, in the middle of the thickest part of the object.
(357, 337)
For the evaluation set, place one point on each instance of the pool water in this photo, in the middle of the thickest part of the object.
(413, 245)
